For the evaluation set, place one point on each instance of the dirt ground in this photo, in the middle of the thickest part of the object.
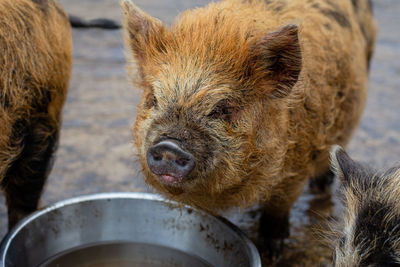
(96, 152)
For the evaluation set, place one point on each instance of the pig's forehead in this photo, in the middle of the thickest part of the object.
(188, 79)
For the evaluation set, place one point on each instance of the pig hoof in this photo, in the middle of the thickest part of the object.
(322, 184)
(271, 248)
(15, 216)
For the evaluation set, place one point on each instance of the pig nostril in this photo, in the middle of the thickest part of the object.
(157, 157)
(182, 162)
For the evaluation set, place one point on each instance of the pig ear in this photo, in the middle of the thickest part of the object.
(277, 57)
(348, 171)
(140, 29)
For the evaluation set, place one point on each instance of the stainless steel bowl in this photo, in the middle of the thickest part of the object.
(135, 218)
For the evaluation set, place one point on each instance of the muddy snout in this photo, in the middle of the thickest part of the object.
(170, 162)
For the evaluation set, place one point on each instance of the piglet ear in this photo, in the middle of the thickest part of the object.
(276, 60)
(140, 29)
(348, 171)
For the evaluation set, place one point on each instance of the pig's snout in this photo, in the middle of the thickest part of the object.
(170, 162)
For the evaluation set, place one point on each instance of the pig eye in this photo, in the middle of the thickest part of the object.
(221, 113)
(151, 101)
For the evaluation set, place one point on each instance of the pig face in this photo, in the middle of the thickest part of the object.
(209, 91)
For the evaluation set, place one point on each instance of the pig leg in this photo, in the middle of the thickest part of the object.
(274, 221)
(24, 180)
(274, 228)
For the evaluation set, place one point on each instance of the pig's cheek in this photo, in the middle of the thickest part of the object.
(143, 131)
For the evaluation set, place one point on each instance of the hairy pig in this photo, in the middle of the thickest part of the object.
(243, 99)
(35, 64)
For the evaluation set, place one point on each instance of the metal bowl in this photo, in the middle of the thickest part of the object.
(149, 224)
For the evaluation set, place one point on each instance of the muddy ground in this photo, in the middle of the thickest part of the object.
(96, 152)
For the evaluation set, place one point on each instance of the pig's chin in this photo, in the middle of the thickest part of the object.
(172, 184)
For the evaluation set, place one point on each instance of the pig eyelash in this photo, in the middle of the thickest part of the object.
(222, 113)
(154, 101)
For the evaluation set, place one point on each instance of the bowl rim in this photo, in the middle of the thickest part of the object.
(8, 238)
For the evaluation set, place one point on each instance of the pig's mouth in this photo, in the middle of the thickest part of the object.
(170, 180)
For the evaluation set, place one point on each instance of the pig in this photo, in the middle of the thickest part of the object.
(243, 99)
(35, 60)
(370, 235)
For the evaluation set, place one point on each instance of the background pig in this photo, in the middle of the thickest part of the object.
(242, 99)
(370, 236)
(35, 62)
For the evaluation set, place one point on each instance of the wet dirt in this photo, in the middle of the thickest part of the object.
(96, 152)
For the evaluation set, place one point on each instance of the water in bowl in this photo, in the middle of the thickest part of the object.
(124, 254)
